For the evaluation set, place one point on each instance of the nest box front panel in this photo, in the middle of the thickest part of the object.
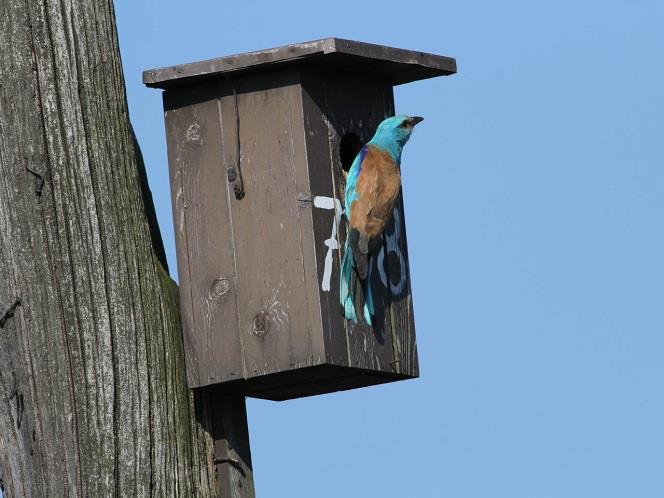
(276, 285)
(247, 266)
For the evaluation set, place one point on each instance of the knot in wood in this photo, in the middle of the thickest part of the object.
(304, 199)
(238, 188)
(9, 313)
(261, 324)
(193, 134)
(219, 288)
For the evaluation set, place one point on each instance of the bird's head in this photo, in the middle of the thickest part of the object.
(393, 133)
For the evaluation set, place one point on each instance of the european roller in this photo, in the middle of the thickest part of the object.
(372, 188)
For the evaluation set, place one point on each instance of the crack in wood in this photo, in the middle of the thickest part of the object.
(233, 463)
(102, 341)
(20, 405)
(9, 313)
(40, 186)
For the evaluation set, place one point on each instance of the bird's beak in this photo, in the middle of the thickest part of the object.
(413, 120)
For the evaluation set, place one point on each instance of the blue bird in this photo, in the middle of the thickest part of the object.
(372, 188)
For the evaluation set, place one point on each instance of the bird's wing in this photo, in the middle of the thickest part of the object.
(351, 179)
(375, 191)
(355, 241)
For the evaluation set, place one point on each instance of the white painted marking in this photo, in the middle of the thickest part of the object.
(332, 243)
(327, 202)
(391, 241)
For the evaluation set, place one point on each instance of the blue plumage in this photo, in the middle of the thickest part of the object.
(372, 187)
(351, 179)
(347, 262)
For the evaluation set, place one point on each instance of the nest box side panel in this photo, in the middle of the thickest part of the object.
(326, 213)
(342, 112)
(208, 288)
(278, 310)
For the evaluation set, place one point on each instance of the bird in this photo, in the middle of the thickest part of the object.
(372, 188)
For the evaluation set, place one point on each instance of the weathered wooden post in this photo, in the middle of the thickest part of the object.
(257, 147)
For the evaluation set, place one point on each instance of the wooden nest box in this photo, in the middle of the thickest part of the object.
(257, 148)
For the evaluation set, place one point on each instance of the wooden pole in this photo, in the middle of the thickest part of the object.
(93, 395)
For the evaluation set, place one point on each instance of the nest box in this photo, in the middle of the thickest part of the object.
(258, 147)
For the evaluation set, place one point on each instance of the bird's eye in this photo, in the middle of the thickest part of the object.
(404, 124)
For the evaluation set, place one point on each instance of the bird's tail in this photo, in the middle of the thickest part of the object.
(346, 295)
(346, 284)
(369, 310)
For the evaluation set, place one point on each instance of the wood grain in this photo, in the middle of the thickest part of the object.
(94, 400)
(204, 231)
(274, 285)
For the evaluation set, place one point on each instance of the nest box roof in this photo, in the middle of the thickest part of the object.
(393, 64)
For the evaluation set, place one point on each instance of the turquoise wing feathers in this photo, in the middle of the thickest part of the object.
(346, 296)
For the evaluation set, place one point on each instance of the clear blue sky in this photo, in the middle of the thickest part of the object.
(534, 195)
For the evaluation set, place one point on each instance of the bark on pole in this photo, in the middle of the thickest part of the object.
(93, 397)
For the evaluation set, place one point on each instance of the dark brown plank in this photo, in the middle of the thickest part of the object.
(203, 226)
(232, 455)
(278, 318)
(323, 181)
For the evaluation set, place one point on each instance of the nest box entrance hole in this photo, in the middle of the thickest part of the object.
(349, 148)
